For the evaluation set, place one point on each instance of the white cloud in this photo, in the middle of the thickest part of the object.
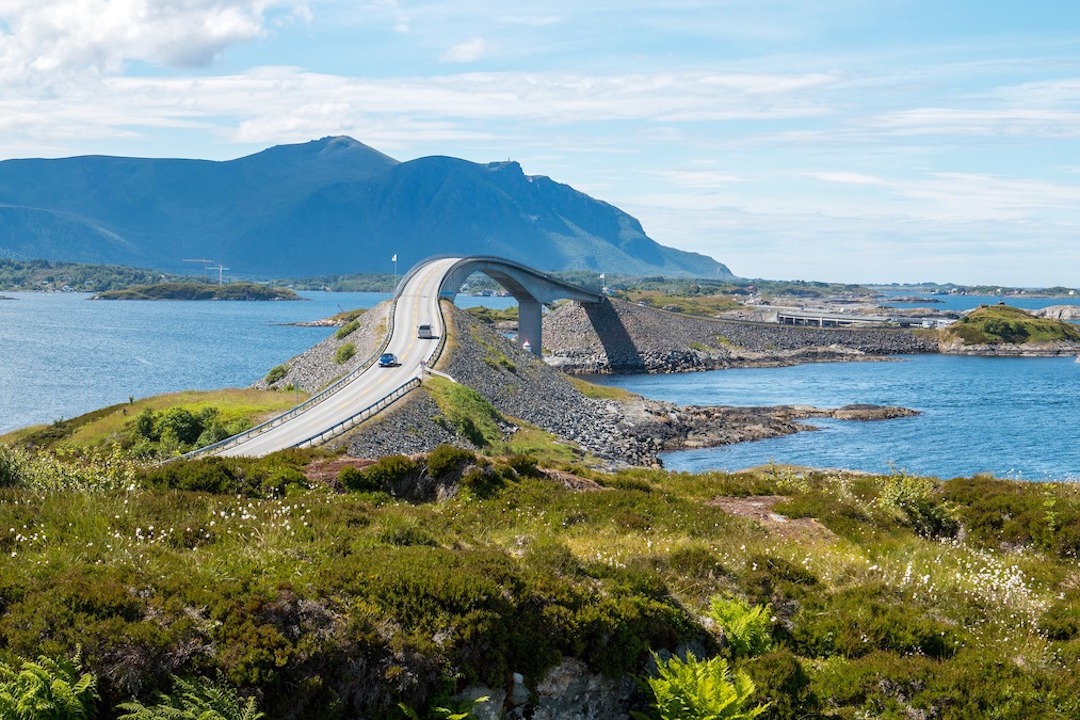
(466, 52)
(849, 178)
(52, 40)
(996, 122)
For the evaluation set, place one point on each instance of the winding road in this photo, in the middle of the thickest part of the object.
(417, 303)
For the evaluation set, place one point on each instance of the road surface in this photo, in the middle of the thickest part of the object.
(417, 304)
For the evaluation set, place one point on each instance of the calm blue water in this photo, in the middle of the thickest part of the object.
(1013, 417)
(62, 355)
(967, 302)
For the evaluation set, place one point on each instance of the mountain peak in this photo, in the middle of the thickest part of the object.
(326, 206)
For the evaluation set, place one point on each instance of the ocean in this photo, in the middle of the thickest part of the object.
(62, 355)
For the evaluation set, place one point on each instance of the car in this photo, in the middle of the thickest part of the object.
(424, 332)
(388, 360)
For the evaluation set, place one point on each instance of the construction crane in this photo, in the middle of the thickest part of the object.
(211, 264)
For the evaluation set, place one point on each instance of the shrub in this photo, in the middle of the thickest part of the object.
(11, 466)
(276, 373)
(784, 686)
(383, 475)
(482, 482)
(695, 689)
(210, 474)
(347, 329)
(915, 498)
(446, 459)
(523, 464)
(344, 353)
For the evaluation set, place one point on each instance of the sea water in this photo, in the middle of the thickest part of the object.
(1012, 417)
(62, 354)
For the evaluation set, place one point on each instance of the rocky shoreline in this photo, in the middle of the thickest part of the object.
(525, 390)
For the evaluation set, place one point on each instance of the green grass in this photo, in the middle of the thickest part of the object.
(466, 411)
(107, 424)
(993, 324)
(600, 392)
(703, 305)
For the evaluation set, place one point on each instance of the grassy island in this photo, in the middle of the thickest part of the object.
(199, 291)
(1004, 324)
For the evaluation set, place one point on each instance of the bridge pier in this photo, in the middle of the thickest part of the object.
(529, 324)
(531, 288)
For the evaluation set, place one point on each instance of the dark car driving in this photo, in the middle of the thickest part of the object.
(388, 360)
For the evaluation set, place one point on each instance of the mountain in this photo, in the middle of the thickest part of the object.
(328, 206)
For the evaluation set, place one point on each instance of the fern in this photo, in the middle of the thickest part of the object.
(198, 699)
(48, 689)
(695, 689)
(746, 627)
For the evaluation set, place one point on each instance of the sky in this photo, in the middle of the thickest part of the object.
(867, 141)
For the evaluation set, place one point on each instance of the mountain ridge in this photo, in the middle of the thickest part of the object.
(325, 206)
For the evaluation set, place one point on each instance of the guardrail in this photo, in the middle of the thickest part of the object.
(315, 399)
(353, 420)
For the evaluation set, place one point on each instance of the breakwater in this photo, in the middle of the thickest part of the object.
(621, 337)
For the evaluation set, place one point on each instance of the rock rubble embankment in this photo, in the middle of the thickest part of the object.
(316, 368)
(622, 433)
(621, 337)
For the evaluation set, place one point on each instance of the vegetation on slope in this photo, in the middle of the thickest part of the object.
(47, 275)
(138, 426)
(889, 596)
(994, 324)
(199, 291)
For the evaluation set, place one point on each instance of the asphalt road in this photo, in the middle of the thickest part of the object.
(418, 304)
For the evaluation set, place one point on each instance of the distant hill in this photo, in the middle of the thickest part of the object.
(329, 206)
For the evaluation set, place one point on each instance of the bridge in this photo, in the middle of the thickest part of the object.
(370, 389)
(531, 289)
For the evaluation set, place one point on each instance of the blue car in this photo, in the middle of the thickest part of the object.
(388, 360)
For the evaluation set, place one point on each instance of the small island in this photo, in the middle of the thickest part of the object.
(1006, 330)
(199, 291)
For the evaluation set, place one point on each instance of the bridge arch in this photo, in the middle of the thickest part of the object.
(531, 288)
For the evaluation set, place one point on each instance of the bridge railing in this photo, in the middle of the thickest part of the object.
(332, 389)
(355, 419)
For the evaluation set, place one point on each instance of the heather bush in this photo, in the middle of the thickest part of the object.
(276, 373)
(381, 476)
(446, 459)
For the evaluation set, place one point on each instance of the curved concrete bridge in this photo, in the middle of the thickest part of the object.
(531, 288)
(370, 389)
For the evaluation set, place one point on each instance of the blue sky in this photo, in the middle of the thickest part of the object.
(840, 140)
